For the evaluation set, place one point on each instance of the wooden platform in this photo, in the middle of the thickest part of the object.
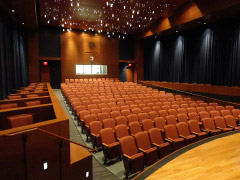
(217, 159)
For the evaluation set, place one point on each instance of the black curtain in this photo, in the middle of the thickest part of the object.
(208, 55)
(13, 59)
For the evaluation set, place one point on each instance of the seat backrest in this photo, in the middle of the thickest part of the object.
(95, 111)
(121, 120)
(95, 127)
(213, 104)
(215, 113)
(163, 113)
(182, 110)
(20, 120)
(14, 97)
(155, 136)
(203, 104)
(225, 112)
(32, 103)
(200, 109)
(92, 106)
(219, 108)
(132, 118)
(89, 118)
(142, 116)
(83, 113)
(125, 112)
(106, 110)
(236, 112)
(210, 108)
(147, 124)
(109, 123)
(31, 95)
(175, 106)
(171, 131)
(166, 107)
(115, 114)
(230, 120)
(172, 112)
(191, 109)
(230, 108)
(183, 129)
(121, 131)
(220, 122)
(194, 126)
(146, 109)
(134, 127)
(184, 106)
(102, 116)
(193, 116)
(136, 111)
(160, 122)
(107, 136)
(128, 146)
(153, 115)
(142, 140)
(208, 123)
(182, 117)
(8, 106)
(204, 114)
(171, 119)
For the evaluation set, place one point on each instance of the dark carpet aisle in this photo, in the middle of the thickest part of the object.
(99, 172)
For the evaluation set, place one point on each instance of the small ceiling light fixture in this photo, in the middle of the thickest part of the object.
(204, 23)
(176, 31)
(13, 10)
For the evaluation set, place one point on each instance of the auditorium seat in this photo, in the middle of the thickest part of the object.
(204, 114)
(147, 124)
(125, 112)
(132, 160)
(8, 106)
(146, 110)
(144, 145)
(12, 97)
(32, 103)
(121, 131)
(195, 129)
(213, 104)
(121, 120)
(136, 111)
(134, 128)
(214, 114)
(153, 114)
(230, 108)
(163, 113)
(184, 132)
(109, 123)
(20, 120)
(102, 116)
(81, 117)
(191, 109)
(225, 112)
(182, 110)
(132, 118)
(200, 109)
(173, 137)
(210, 108)
(219, 108)
(156, 139)
(209, 126)
(231, 122)
(182, 117)
(111, 148)
(171, 119)
(106, 110)
(142, 116)
(172, 112)
(160, 122)
(95, 111)
(115, 109)
(115, 114)
(95, 128)
(221, 124)
(87, 119)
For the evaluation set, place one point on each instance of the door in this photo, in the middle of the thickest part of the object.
(129, 74)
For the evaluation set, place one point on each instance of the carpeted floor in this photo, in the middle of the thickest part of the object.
(100, 171)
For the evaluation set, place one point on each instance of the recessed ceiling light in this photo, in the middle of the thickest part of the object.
(23, 23)
(204, 23)
(177, 31)
(13, 10)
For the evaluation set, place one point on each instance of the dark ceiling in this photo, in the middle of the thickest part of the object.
(114, 16)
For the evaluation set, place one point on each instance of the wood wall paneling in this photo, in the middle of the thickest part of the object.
(73, 52)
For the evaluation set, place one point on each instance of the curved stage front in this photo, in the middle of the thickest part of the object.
(214, 158)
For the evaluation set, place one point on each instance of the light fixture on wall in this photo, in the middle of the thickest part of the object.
(45, 63)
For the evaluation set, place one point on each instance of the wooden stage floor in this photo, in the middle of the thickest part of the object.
(216, 158)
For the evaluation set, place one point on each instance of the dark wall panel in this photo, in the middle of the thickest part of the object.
(126, 48)
(49, 42)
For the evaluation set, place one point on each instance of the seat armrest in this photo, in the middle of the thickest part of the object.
(205, 130)
(93, 134)
(142, 150)
(195, 133)
(220, 128)
(168, 140)
(155, 144)
(182, 136)
(231, 127)
(126, 156)
(105, 145)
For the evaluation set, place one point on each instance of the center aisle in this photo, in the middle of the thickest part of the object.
(99, 172)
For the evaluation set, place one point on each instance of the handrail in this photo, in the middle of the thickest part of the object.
(52, 134)
(157, 85)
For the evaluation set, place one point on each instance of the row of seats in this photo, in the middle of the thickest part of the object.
(14, 105)
(89, 79)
